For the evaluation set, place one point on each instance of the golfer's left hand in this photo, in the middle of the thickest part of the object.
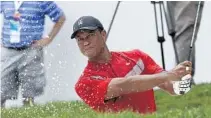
(184, 86)
(181, 70)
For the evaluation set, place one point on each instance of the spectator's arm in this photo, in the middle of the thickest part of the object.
(56, 14)
(57, 27)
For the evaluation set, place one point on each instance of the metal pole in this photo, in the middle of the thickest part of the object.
(171, 27)
(161, 38)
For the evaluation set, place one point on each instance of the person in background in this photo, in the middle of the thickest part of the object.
(184, 14)
(22, 43)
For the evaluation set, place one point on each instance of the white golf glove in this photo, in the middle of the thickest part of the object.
(183, 86)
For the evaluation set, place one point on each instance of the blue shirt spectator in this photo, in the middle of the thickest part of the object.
(22, 43)
(32, 20)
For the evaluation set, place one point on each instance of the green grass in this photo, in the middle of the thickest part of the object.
(195, 104)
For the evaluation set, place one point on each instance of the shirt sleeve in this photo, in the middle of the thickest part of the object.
(150, 65)
(92, 91)
(0, 7)
(51, 9)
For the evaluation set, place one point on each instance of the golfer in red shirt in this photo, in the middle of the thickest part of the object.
(117, 81)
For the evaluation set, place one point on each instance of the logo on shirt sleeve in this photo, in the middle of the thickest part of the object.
(137, 69)
(97, 77)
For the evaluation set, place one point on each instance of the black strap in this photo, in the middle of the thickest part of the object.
(112, 99)
(18, 48)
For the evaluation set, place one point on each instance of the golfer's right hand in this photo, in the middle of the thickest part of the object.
(180, 71)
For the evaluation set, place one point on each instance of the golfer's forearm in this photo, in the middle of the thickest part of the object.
(57, 27)
(138, 83)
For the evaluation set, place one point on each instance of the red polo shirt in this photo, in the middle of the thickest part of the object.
(93, 83)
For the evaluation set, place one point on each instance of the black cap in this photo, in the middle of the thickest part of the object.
(86, 23)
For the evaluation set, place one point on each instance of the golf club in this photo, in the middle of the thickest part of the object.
(112, 20)
(185, 85)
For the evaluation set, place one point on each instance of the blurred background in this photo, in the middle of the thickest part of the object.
(133, 28)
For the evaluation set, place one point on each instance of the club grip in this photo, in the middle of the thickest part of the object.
(186, 77)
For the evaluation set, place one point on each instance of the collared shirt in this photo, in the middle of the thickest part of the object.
(32, 20)
(93, 83)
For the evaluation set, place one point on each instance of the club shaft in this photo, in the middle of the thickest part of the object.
(112, 20)
(194, 30)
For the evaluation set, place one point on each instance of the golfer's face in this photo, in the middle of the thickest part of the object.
(89, 42)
